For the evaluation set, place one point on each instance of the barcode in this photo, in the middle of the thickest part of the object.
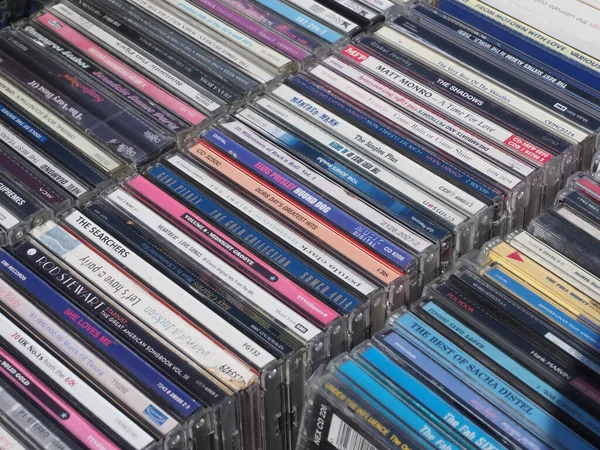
(345, 438)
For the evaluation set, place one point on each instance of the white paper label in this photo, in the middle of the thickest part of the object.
(7, 220)
(344, 437)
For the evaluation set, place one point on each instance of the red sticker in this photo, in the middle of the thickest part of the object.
(516, 256)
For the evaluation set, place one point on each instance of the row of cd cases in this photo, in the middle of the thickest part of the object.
(157, 336)
(281, 239)
(500, 353)
(123, 82)
(94, 353)
(499, 152)
(456, 152)
(81, 341)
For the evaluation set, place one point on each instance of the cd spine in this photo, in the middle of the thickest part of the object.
(517, 103)
(73, 387)
(327, 16)
(513, 132)
(520, 289)
(54, 155)
(571, 118)
(587, 184)
(39, 187)
(115, 318)
(26, 207)
(67, 182)
(550, 428)
(519, 179)
(294, 15)
(285, 289)
(411, 389)
(460, 199)
(316, 343)
(95, 73)
(328, 424)
(182, 406)
(272, 60)
(298, 54)
(426, 251)
(372, 293)
(103, 134)
(287, 348)
(572, 111)
(494, 50)
(52, 404)
(569, 61)
(156, 50)
(488, 178)
(278, 24)
(202, 421)
(110, 163)
(191, 52)
(405, 414)
(203, 37)
(403, 350)
(82, 97)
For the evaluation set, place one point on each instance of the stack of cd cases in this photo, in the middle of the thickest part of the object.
(204, 202)
(501, 353)
(91, 91)
(418, 163)
(205, 305)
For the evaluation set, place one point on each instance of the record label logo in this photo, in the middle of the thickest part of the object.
(155, 415)
(516, 256)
